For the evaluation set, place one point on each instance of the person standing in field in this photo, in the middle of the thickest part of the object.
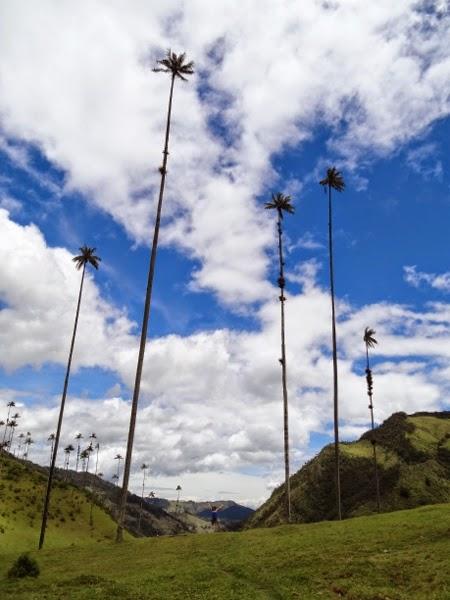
(214, 516)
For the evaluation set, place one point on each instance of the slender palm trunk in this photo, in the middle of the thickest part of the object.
(78, 457)
(51, 451)
(281, 283)
(61, 413)
(142, 502)
(374, 444)
(140, 361)
(335, 368)
(6, 426)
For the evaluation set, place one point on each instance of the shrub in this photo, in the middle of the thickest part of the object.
(24, 567)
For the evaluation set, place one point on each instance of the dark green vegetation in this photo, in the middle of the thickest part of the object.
(395, 556)
(24, 567)
(413, 454)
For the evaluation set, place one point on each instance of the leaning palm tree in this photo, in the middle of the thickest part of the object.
(178, 68)
(86, 257)
(371, 342)
(281, 204)
(144, 468)
(78, 437)
(335, 181)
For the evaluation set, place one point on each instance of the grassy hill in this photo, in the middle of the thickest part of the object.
(392, 556)
(22, 487)
(414, 467)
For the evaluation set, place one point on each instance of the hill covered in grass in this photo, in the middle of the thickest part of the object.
(394, 556)
(22, 488)
(414, 469)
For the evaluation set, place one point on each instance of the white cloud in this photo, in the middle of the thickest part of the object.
(211, 401)
(416, 278)
(97, 111)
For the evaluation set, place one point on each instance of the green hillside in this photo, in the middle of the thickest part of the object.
(414, 467)
(22, 489)
(392, 556)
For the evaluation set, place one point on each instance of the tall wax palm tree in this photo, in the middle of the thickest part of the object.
(86, 257)
(78, 437)
(12, 424)
(97, 448)
(281, 204)
(28, 443)
(84, 455)
(144, 468)
(371, 342)
(178, 68)
(334, 181)
(51, 438)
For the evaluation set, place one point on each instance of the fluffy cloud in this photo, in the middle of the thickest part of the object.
(416, 278)
(211, 401)
(376, 76)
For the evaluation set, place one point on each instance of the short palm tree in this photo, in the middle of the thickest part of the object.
(86, 257)
(78, 437)
(68, 450)
(144, 468)
(10, 405)
(28, 443)
(21, 438)
(282, 204)
(370, 342)
(51, 438)
(118, 457)
(178, 490)
(334, 181)
(178, 68)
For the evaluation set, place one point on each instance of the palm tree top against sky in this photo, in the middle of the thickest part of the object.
(176, 65)
(333, 180)
(369, 339)
(85, 257)
(280, 202)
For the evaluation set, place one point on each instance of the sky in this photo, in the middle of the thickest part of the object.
(278, 95)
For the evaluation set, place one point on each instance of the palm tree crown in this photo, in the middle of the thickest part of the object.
(368, 338)
(175, 64)
(281, 203)
(333, 179)
(87, 256)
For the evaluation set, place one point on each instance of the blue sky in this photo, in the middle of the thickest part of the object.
(78, 160)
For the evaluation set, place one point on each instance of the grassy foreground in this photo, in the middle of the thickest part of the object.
(394, 556)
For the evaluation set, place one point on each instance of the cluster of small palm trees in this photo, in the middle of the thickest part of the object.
(282, 203)
(23, 440)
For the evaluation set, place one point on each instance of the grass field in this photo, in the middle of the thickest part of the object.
(395, 556)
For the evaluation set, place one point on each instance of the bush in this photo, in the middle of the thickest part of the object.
(24, 567)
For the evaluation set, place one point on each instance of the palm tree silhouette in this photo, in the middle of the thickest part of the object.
(144, 468)
(178, 69)
(118, 457)
(87, 257)
(10, 405)
(20, 438)
(78, 437)
(282, 203)
(51, 438)
(371, 342)
(178, 490)
(28, 443)
(335, 181)
(67, 450)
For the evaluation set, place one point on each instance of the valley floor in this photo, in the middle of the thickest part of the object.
(395, 556)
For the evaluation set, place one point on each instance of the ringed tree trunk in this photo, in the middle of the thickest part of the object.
(145, 320)
(60, 418)
(335, 368)
(281, 283)
(373, 441)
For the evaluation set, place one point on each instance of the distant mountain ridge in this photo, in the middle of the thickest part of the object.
(229, 511)
(414, 465)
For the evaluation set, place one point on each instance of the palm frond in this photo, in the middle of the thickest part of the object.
(333, 179)
(175, 64)
(281, 203)
(368, 338)
(87, 256)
